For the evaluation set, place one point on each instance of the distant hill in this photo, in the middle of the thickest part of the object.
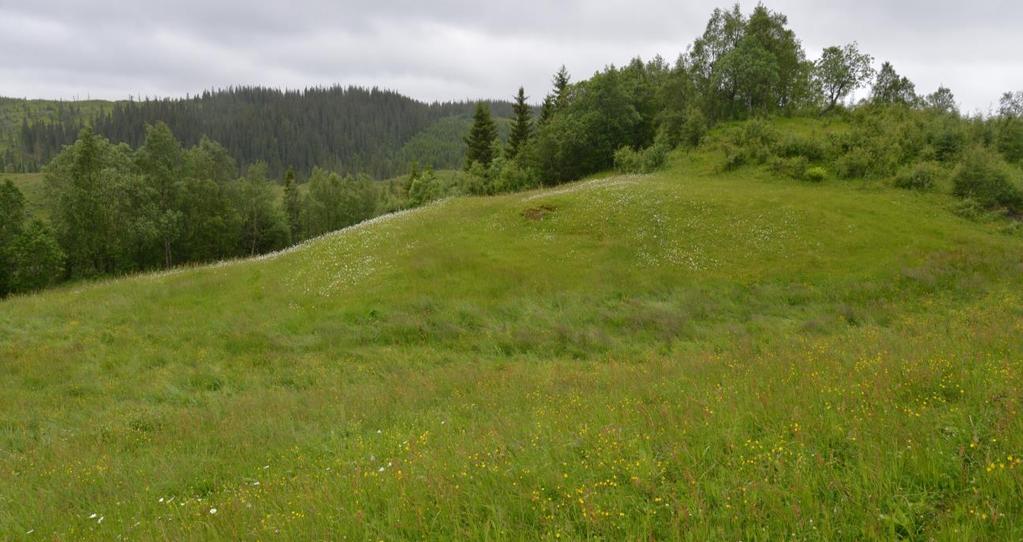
(62, 117)
(347, 129)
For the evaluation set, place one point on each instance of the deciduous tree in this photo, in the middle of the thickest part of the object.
(840, 71)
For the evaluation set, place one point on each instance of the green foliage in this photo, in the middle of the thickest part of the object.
(597, 118)
(159, 160)
(30, 258)
(35, 258)
(482, 138)
(942, 101)
(812, 148)
(424, 187)
(522, 126)
(562, 86)
(983, 176)
(652, 158)
(794, 167)
(748, 66)
(264, 226)
(890, 88)
(292, 204)
(751, 143)
(947, 136)
(881, 140)
(333, 202)
(816, 174)
(347, 129)
(23, 148)
(923, 176)
(12, 217)
(510, 176)
(840, 71)
(1010, 138)
(87, 184)
(442, 144)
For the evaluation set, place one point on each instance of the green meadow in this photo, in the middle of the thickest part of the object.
(687, 355)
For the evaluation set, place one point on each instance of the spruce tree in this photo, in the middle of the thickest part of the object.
(481, 138)
(561, 82)
(547, 109)
(523, 126)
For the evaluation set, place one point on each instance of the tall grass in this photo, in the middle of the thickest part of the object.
(690, 355)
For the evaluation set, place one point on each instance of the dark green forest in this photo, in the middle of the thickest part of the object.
(155, 184)
(346, 129)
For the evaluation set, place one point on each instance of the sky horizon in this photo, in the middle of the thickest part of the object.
(60, 49)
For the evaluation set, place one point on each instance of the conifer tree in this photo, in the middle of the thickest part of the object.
(481, 138)
(547, 109)
(561, 82)
(522, 127)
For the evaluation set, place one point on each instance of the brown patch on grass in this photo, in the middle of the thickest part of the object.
(536, 214)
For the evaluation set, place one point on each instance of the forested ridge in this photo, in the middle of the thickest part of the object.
(347, 129)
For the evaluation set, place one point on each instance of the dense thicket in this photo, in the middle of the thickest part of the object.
(29, 255)
(346, 129)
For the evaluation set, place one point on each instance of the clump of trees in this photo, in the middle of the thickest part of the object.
(744, 68)
(30, 258)
(117, 210)
(629, 117)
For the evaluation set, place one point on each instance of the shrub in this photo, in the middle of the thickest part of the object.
(923, 176)
(1010, 139)
(752, 143)
(628, 160)
(694, 127)
(816, 174)
(948, 141)
(853, 164)
(810, 148)
(984, 177)
(972, 210)
(652, 158)
(510, 176)
(794, 167)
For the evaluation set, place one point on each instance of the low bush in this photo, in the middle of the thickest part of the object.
(816, 174)
(984, 177)
(813, 149)
(652, 158)
(923, 176)
(751, 144)
(794, 167)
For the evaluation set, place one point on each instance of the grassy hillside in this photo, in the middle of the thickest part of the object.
(31, 186)
(687, 355)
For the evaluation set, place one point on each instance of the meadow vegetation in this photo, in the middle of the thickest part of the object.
(782, 316)
(686, 355)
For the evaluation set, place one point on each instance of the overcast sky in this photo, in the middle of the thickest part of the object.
(447, 49)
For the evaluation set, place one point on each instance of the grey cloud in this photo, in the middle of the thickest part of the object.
(448, 49)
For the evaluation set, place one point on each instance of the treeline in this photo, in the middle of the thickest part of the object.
(116, 210)
(346, 129)
(742, 67)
